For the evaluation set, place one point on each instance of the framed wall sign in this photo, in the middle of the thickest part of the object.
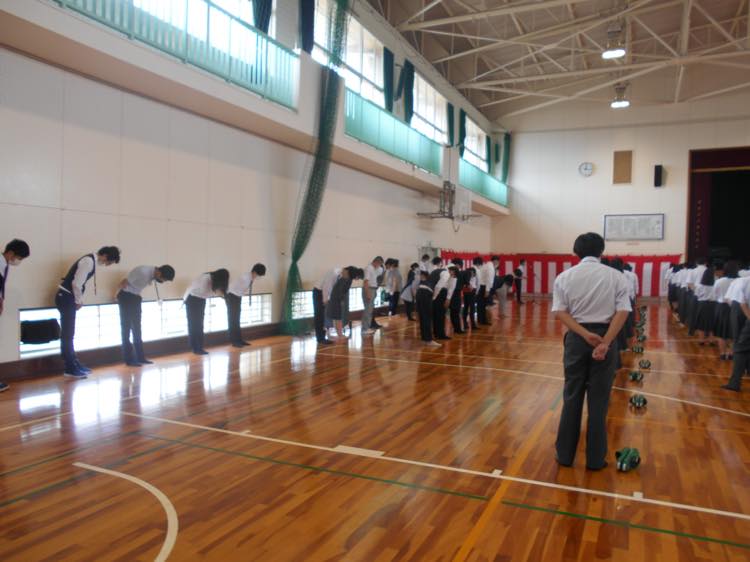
(634, 227)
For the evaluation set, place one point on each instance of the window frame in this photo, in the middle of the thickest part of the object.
(430, 123)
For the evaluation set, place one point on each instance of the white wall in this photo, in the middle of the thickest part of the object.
(551, 203)
(84, 164)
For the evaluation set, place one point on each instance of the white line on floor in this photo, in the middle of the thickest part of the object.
(38, 420)
(494, 474)
(172, 521)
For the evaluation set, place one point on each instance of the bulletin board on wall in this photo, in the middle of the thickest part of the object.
(634, 227)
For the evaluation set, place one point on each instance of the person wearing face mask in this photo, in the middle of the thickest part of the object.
(15, 252)
(69, 300)
(129, 301)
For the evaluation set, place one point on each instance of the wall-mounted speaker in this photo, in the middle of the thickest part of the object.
(658, 175)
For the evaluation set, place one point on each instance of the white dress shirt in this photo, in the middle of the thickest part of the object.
(452, 282)
(442, 283)
(85, 266)
(200, 287)
(685, 275)
(486, 275)
(371, 275)
(425, 266)
(736, 288)
(696, 275)
(241, 285)
(704, 292)
(744, 273)
(591, 292)
(326, 284)
(720, 289)
(633, 281)
(393, 280)
(139, 278)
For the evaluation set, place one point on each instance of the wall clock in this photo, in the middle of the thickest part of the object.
(586, 169)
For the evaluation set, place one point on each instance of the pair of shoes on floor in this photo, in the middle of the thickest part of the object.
(4, 386)
(325, 342)
(433, 343)
(200, 352)
(727, 387)
(444, 338)
(138, 363)
(75, 373)
(240, 344)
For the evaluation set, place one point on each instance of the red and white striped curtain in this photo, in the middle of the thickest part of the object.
(541, 269)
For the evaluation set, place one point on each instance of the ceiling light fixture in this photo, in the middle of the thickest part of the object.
(615, 47)
(621, 100)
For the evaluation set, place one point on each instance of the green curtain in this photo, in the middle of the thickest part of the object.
(307, 24)
(451, 125)
(497, 152)
(406, 89)
(312, 198)
(488, 153)
(506, 159)
(262, 14)
(388, 79)
(461, 131)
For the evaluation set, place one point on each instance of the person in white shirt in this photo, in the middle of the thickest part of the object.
(69, 300)
(129, 301)
(633, 289)
(205, 286)
(734, 298)
(369, 289)
(519, 276)
(722, 324)
(438, 281)
(424, 264)
(393, 285)
(705, 308)
(685, 293)
(692, 303)
(321, 296)
(409, 294)
(15, 252)
(486, 279)
(741, 361)
(455, 288)
(239, 286)
(671, 279)
(591, 300)
(470, 293)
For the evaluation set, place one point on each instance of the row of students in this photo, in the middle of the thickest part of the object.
(714, 300)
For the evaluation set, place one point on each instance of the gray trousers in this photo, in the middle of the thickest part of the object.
(369, 307)
(741, 362)
(585, 377)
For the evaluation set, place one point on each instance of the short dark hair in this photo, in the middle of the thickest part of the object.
(523, 261)
(617, 263)
(378, 258)
(458, 262)
(423, 274)
(111, 253)
(19, 248)
(356, 272)
(437, 260)
(412, 266)
(496, 258)
(477, 260)
(708, 277)
(425, 256)
(259, 269)
(508, 279)
(219, 280)
(588, 245)
(167, 272)
(731, 269)
(452, 268)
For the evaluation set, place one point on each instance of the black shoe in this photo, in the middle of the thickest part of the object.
(443, 338)
(238, 345)
(325, 342)
(200, 352)
(727, 387)
(602, 467)
(132, 364)
(75, 373)
(145, 362)
(459, 332)
(83, 368)
(565, 464)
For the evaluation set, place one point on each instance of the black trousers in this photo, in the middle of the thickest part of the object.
(482, 297)
(234, 310)
(737, 320)
(692, 313)
(470, 309)
(424, 311)
(130, 323)
(517, 284)
(409, 309)
(455, 309)
(741, 351)
(195, 308)
(66, 305)
(393, 303)
(590, 379)
(438, 314)
(319, 313)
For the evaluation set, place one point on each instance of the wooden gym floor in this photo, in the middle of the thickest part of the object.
(378, 451)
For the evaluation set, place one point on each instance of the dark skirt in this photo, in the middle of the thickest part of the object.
(630, 322)
(672, 294)
(705, 315)
(722, 323)
(682, 300)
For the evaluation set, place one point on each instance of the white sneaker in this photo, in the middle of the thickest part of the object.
(368, 332)
(433, 343)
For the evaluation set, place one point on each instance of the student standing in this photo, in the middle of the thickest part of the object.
(394, 282)
(519, 276)
(424, 308)
(369, 289)
(486, 274)
(338, 301)
(692, 302)
(15, 252)
(205, 286)
(409, 294)
(705, 311)
(469, 296)
(455, 290)
(129, 301)
(424, 263)
(321, 295)
(722, 324)
(591, 300)
(734, 298)
(69, 300)
(438, 279)
(741, 361)
(240, 286)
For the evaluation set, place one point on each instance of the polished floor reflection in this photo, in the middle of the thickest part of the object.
(375, 450)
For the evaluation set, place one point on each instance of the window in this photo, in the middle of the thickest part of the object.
(475, 145)
(302, 303)
(362, 67)
(99, 325)
(430, 111)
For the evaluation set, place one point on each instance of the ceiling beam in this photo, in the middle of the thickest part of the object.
(715, 23)
(422, 11)
(656, 35)
(684, 44)
(719, 92)
(516, 8)
(689, 59)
